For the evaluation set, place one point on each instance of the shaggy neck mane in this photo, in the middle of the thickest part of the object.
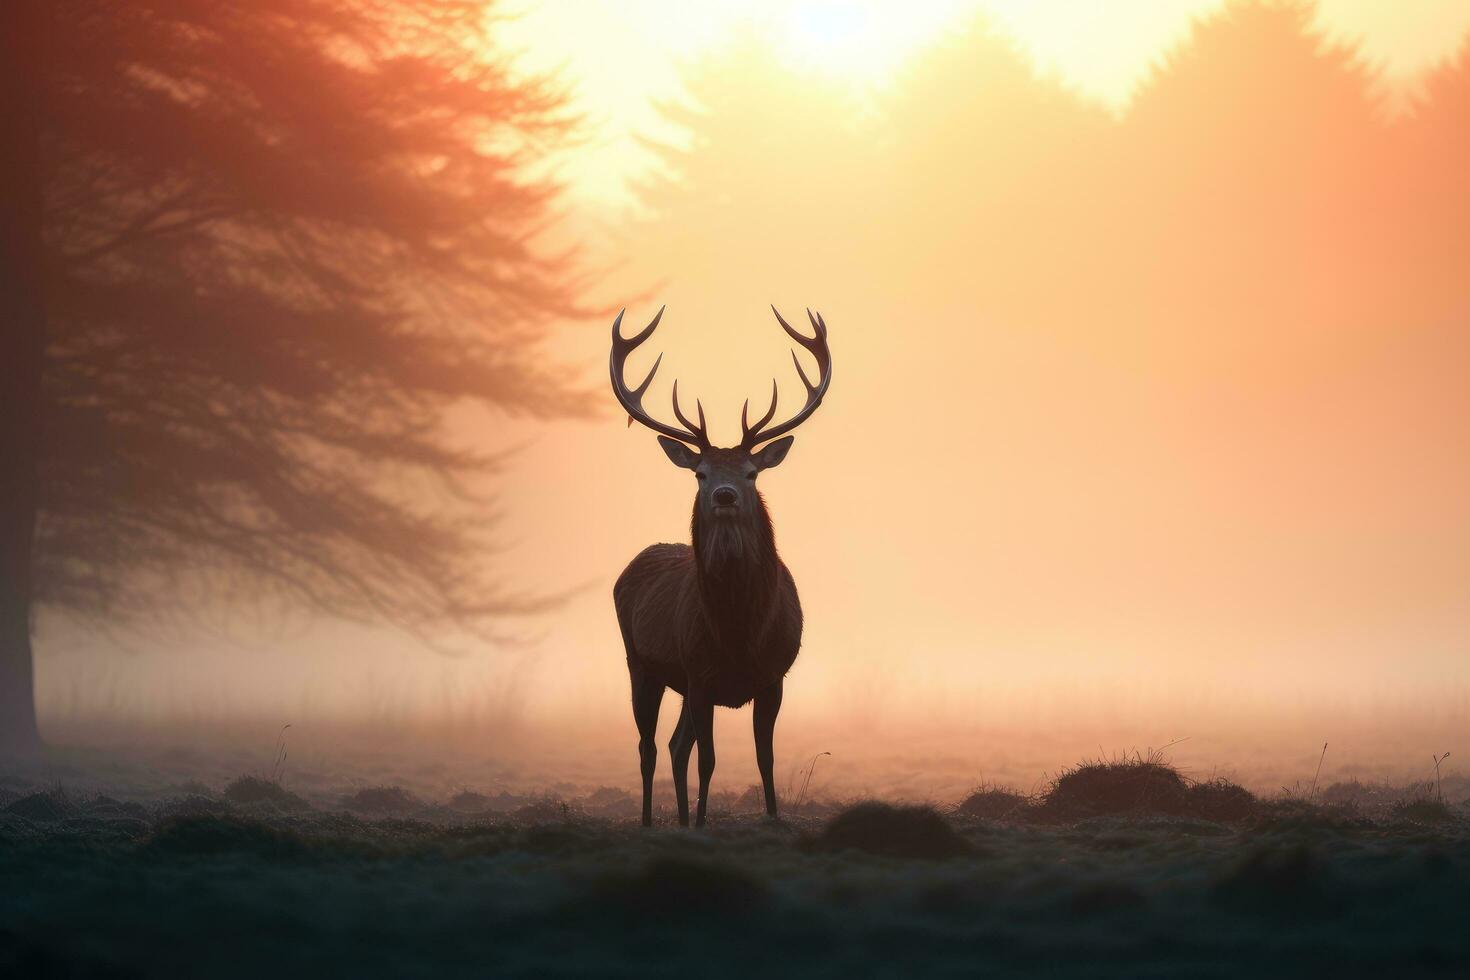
(735, 561)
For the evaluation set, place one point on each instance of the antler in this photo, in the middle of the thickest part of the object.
(632, 401)
(752, 436)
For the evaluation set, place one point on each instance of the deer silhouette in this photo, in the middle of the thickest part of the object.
(717, 621)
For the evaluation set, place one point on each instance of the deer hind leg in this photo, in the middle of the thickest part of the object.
(647, 695)
(702, 720)
(767, 707)
(679, 746)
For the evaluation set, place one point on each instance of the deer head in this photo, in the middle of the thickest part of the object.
(726, 475)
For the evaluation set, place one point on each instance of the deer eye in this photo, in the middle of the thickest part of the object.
(700, 476)
(750, 475)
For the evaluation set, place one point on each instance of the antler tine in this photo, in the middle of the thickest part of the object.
(817, 346)
(628, 345)
(813, 344)
(818, 326)
(638, 391)
(745, 428)
(802, 373)
(632, 401)
(696, 430)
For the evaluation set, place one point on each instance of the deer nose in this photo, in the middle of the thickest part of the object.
(725, 497)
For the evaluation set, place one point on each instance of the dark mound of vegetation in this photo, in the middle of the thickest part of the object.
(253, 790)
(44, 807)
(1094, 789)
(1350, 793)
(1142, 785)
(994, 803)
(891, 831)
(612, 802)
(542, 811)
(106, 806)
(1222, 800)
(195, 806)
(383, 799)
(1423, 810)
(196, 836)
(468, 801)
(191, 787)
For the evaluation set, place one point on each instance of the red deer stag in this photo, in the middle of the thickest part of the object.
(718, 622)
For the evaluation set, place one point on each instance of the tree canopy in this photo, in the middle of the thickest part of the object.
(282, 238)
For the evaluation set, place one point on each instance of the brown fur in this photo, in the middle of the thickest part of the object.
(720, 619)
(725, 609)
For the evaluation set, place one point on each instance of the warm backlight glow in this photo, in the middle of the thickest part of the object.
(863, 42)
(1148, 412)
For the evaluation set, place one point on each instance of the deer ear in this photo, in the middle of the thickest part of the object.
(772, 455)
(678, 453)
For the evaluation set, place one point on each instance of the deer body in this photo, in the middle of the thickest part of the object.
(718, 621)
(740, 636)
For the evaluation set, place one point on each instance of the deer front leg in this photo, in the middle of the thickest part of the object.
(679, 745)
(702, 720)
(767, 707)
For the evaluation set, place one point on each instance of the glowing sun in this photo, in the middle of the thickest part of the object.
(861, 41)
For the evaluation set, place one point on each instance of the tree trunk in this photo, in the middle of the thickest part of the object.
(22, 343)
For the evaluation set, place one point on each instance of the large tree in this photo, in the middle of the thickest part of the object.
(253, 252)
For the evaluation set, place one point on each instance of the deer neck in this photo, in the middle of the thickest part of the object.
(738, 574)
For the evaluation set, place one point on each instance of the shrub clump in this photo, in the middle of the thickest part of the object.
(891, 831)
(1095, 789)
(250, 790)
(195, 806)
(468, 801)
(995, 803)
(44, 807)
(1222, 800)
(1143, 785)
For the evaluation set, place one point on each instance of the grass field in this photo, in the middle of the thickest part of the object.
(1120, 869)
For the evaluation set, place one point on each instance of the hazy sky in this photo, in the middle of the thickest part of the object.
(622, 55)
(1194, 466)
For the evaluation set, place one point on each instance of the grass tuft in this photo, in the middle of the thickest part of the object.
(1222, 801)
(45, 806)
(1425, 809)
(252, 790)
(992, 802)
(468, 801)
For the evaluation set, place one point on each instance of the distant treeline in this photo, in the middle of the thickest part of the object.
(1200, 357)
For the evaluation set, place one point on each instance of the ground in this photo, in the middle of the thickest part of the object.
(1119, 869)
